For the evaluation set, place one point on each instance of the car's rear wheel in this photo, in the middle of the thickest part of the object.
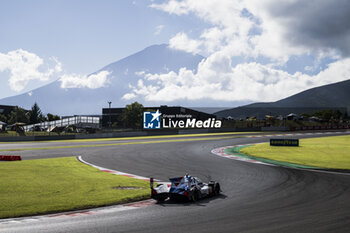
(195, 196)
(217, 189)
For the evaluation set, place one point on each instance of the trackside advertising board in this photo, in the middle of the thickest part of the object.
(284, 142)
(155, 120)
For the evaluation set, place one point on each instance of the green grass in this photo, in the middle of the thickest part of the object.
(32, 187)
(326, 152)
(9, 134)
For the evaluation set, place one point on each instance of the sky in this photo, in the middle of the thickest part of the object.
(255, 50)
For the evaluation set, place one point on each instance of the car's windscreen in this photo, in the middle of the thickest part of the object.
(182, 181)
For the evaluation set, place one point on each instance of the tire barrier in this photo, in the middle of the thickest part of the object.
(10, 157)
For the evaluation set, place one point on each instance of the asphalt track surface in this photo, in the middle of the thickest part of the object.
(255, 198)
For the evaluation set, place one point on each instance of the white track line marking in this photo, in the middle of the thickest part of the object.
(113, 171)
(220, 152)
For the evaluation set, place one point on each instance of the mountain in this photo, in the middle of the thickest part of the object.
(209, 110)
(69, 101)
(331, 96)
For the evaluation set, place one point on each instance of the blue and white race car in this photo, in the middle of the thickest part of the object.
(185, 187)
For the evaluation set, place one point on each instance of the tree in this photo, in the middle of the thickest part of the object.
(337, 114)
(306, 115)
(35, 115)
(51, 117)
(18, 115)
(132, 115)
(328, 114)
(3, 118)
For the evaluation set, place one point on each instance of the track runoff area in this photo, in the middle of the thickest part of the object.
(42, 165)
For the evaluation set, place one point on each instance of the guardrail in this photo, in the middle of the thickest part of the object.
(111, 134)
(122, 134)
(319, 127)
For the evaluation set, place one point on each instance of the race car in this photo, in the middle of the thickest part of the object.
(185, 187)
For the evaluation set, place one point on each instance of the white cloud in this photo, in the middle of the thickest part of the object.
(173, 7)
(182, 42)
(126, 71)
(140, 73)
(83, 81)
(272, 30)
(25, 66)
(159, 29)
(128, 96)
(320, 27)
(216, 79)
(229, 32)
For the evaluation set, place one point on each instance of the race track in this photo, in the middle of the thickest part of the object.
(255, 198)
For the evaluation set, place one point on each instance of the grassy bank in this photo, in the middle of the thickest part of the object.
(40, 186)
(326, 152)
